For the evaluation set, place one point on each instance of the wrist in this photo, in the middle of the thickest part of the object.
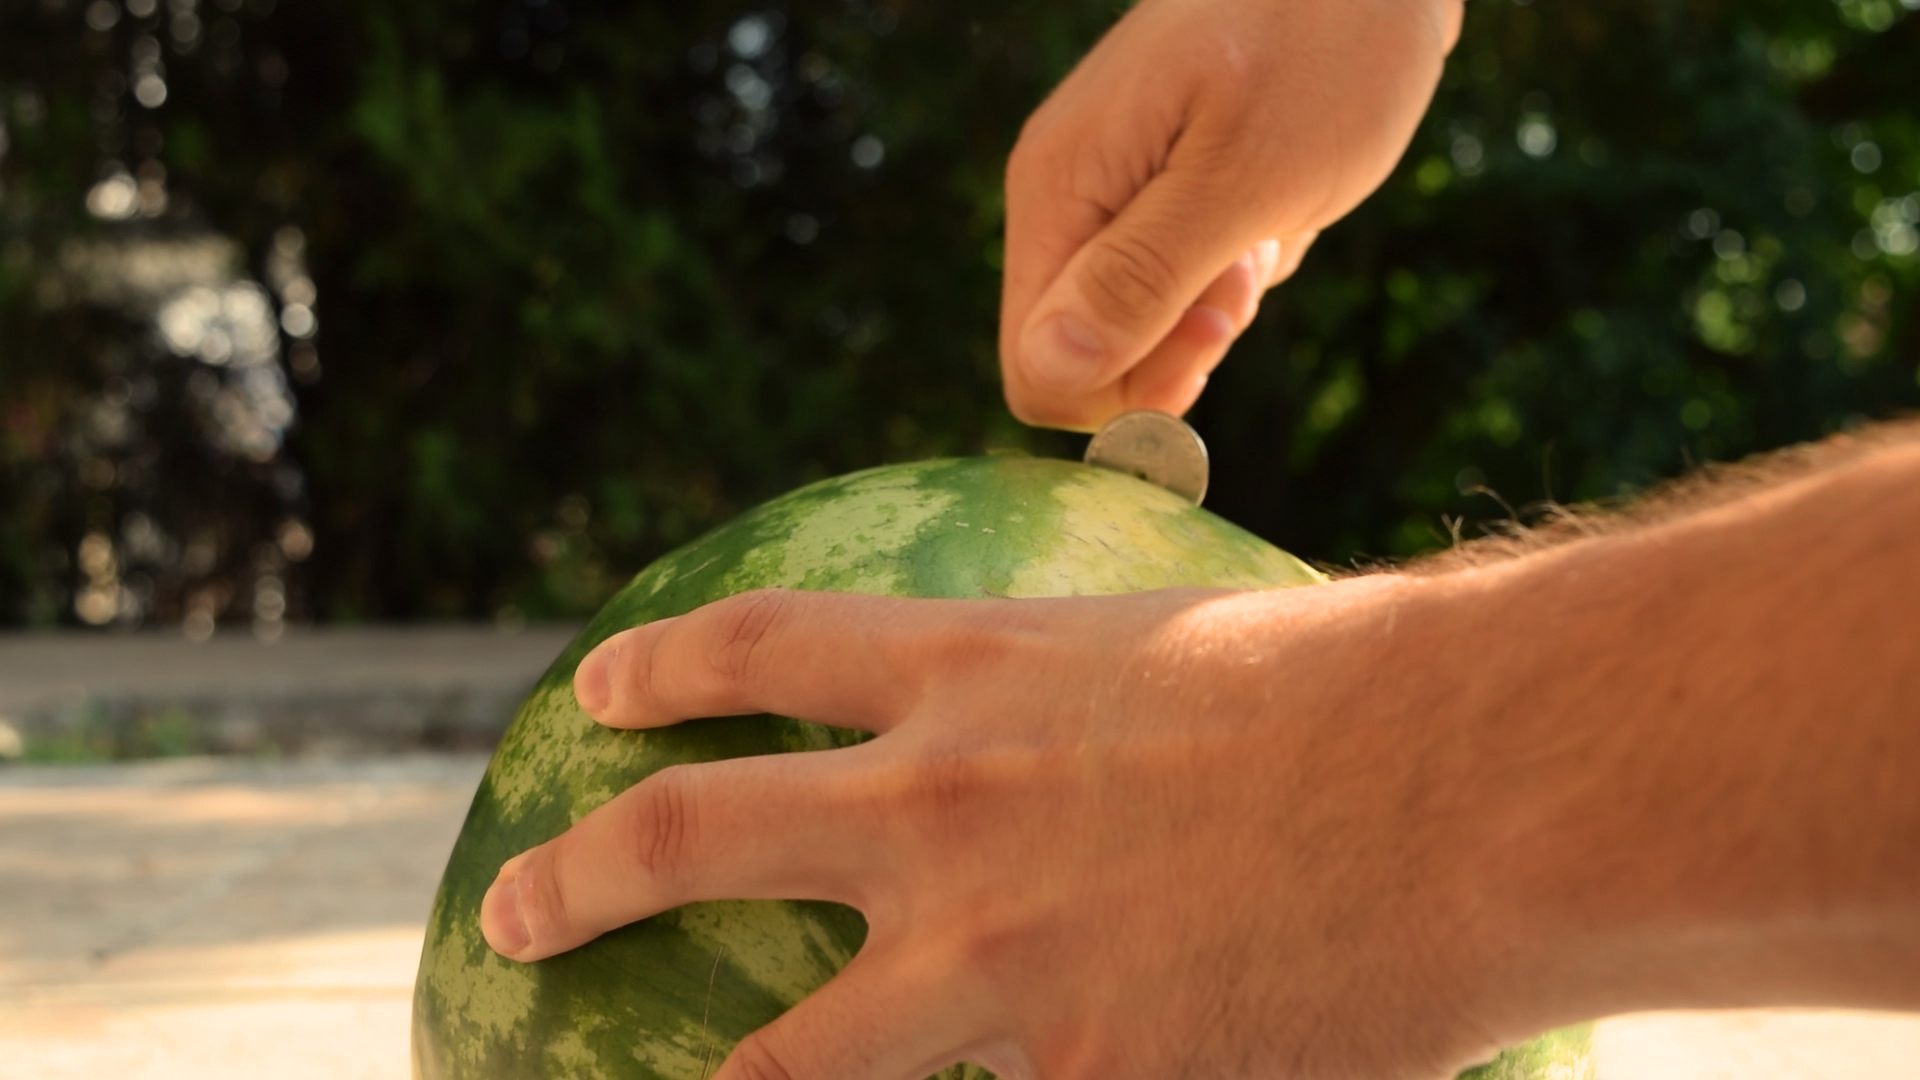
(1373, 719)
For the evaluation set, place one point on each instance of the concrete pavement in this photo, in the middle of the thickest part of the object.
(218, 920)
(226, 920)
(324, 692)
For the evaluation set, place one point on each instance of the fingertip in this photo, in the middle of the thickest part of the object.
(1234, 293)
(611, 664)
(1264, 262)
(1172, 378)
(501, 921)
(593, 679)
(1209, 327)
(1175, 397)
(1293, 250)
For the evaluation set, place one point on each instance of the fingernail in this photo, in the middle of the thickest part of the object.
(593, 679)
(500, 919)
(1065, 355)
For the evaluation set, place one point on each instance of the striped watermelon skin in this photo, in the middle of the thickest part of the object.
(667, 998)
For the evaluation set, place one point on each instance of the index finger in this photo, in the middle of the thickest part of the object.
(833, 658)
(1059, 198)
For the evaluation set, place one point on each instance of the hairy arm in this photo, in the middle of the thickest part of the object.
(1368, 829)
(1688, 770)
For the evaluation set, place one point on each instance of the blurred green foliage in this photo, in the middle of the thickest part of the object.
(592, 277)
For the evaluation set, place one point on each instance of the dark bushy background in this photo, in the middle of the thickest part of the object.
(591, 277)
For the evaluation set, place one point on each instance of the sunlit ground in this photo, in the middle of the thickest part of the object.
(193, 919)
(189, 919)
(1758, 1046)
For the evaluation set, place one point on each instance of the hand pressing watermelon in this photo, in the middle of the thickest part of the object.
(1047, 775)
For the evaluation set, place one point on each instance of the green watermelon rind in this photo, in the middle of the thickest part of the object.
(1565, 1054)
(697, 979)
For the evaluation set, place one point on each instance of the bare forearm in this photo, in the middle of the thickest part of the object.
(1692, 776)
(1370, 828)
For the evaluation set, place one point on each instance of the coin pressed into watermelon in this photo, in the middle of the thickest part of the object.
(668, 997)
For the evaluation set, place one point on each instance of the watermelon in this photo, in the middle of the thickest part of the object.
(668, 997)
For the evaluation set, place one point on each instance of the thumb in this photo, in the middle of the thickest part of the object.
(1129, 285)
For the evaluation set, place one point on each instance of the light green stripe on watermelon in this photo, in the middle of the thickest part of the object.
(667, 998)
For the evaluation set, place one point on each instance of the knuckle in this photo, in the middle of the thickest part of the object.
(755, 1059)
(664, 823)
(940, 790)
(996, 938)
(747, 622)
(990, 947)
(1127, 277)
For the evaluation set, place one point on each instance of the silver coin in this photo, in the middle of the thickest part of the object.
(1156, 447)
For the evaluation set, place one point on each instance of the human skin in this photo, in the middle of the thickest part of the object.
(1371, 829)
(1183, 168)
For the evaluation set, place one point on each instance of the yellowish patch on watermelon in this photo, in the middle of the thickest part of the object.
(498, 995)
(689, 1052)
(881, 512)
(573, 771)
(1102, 553)
(779, 963)
(570, 1058)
